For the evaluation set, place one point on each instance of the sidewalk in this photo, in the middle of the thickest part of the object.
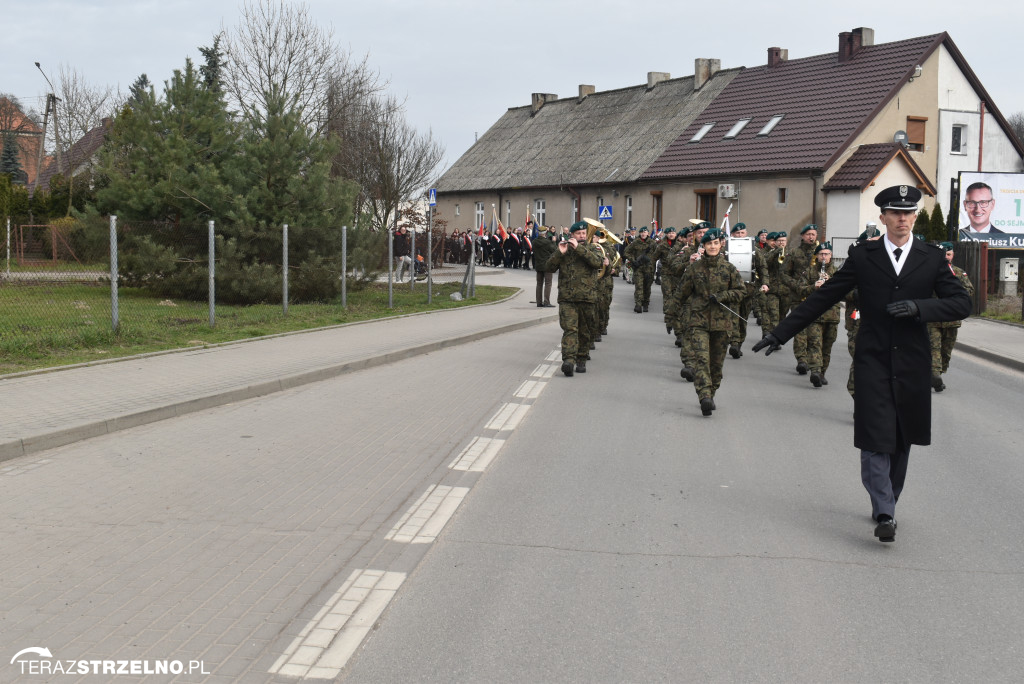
(41, 411)
(46, 410)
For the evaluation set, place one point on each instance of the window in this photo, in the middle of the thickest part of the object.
(508, 212)
(706, 208)
(629, 211)
(915, 132)
(539, 211)
(957, 142)
(456, 209)
(575, 211)
(736, 128)
(782, 197)
(702, 132)
(655, 209)
(479, 214)
(770, 126)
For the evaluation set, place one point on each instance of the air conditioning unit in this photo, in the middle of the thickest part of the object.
(727, 191)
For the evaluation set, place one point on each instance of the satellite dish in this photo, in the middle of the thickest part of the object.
(900, 137)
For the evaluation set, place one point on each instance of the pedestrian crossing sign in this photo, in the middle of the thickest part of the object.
(432, 197)
(604, 213)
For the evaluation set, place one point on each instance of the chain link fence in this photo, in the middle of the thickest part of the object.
(77, 284)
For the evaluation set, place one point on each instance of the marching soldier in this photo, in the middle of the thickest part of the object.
(640, 255)
(578, 264)
(777, 298)
(821, 334)
(667, 248)
(710, 285)
(794, 274)
(943, 334)
(757, 285)
(678, 266)
(606, 282)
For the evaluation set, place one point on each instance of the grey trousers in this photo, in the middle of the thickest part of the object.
(883, 476)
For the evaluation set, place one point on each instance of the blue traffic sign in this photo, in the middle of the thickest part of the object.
(432, 197)
(604, 213)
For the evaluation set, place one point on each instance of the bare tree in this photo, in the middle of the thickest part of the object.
(82, 106)
(277, 47)
(1016, 122)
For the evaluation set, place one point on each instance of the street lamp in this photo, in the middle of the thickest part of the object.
(50, 98)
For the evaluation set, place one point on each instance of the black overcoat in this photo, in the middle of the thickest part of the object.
(892, 362)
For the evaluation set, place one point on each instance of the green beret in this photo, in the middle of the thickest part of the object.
(645, 228)
(866, 235)
(762, 232)
(780, 234)
(772, 235)
(809, 226)
(704, 225)
(823, 245)
(671, 229)
(948, 246)
(685, 231)
(713, 234)
(738, 226)
(579, 225)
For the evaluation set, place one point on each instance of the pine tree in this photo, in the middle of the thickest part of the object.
(936, 226)
(921, 224)
(139, 90)
(213, 65)
(10, 162)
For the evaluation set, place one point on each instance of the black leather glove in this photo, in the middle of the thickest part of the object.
(903, 309)
(771, 342)
(713, 299)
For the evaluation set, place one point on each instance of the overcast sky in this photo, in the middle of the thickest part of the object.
(462, 63)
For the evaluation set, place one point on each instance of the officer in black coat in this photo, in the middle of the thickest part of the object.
(896, 278)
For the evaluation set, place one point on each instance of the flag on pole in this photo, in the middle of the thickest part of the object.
(483, 226)
(501, 229)
(527, 220)
(725, 221)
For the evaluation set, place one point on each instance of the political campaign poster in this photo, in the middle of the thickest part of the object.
(992, 208)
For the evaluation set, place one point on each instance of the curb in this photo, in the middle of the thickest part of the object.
(998, 359)
(64, 436)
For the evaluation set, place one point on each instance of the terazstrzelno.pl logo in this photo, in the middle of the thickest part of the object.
(39, 661)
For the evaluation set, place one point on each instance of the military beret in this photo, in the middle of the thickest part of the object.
(809, 226)
(713, 234)
(671, 229)
(898, 197)
(868, 234)
(738, 226)
(686, 231)
(704, 225)
(579, 225)
(773, 235)
(823, 246)
(780, 234)
(948, 246)
(763, 232)
(644, 229)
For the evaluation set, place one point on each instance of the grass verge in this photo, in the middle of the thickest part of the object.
(42, 326)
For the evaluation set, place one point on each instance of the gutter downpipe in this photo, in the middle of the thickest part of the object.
(579, 202)
(981, 135)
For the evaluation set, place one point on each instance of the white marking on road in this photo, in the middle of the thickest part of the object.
(554, 356)
(325, 645)
(530, 389)
(478, 455)
(508, 417)
(427, 517)
(544, 370)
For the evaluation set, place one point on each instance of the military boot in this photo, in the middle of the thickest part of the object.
(801, 368)
(706, 405)
(567, 368)
(687, 374)
(638, 309)
(816, 379)
(734, 351)
(937, 383)
(581, 365)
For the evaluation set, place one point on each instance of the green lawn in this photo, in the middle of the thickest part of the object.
(46, 325)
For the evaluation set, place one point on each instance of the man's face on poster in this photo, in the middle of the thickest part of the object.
(979, 205)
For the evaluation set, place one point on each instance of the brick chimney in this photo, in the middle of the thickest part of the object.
(777, 56)
(656, 77)
(585, 90)
(703, 70)
(538, 100)
(850, 42)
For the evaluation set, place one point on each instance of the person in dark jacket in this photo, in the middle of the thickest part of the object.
(543, 247)
(896, 278)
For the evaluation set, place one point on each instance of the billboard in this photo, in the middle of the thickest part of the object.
(992, 208)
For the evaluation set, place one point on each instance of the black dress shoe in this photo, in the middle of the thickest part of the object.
(567, 368)
(886, 528)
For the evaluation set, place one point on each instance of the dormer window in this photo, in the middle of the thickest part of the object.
(737, 127)
(772, 123)
(702, 132)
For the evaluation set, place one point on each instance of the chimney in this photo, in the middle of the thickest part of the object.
(540, 98)
(656, 77)
(584, 91)
(777, 56)
(850, 42)
(703, 70)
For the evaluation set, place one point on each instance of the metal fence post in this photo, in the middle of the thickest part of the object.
(284, 269)
(344, 267)
(391, 266)
(8, 246)
(210, 288)
(430, 254)
(114, 313)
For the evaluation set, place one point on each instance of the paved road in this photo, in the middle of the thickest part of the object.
(491, 521)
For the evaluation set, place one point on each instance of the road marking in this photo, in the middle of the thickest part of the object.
(427, 517)
(554, 356)
(325, 645)
(508, 417)
(530, 389)
(544, 370)
(478, 455)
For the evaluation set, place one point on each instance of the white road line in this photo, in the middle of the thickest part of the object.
(478, 455)
(327, 642)
(554, 356)
(427, 517)
(508, 417)
(530, 389)
(544, 370)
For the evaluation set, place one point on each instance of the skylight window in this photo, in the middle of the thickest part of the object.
(772, 123)
(737, 127)
(702, 132)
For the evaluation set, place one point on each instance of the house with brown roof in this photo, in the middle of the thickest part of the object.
(23, 132)
(79, 158)
(790, 142)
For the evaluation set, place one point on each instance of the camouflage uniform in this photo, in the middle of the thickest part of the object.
(677, 266)
(709, 324)
(640, 254)
(822, 333)
(851, 321)
(759, 275)
(777, 299)
(943, 335)
(794, 274)
(577, 298)
(669, 282)
(606, 285)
